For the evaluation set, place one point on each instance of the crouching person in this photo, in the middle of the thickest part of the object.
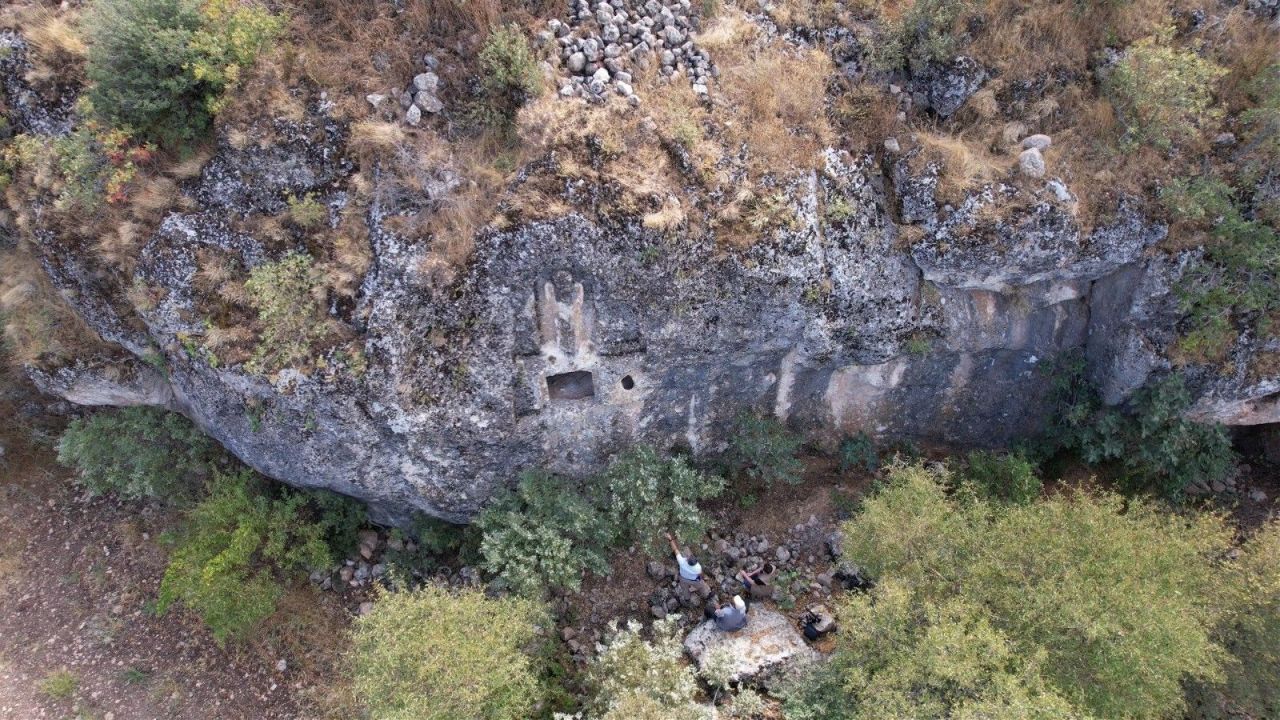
(732, 617)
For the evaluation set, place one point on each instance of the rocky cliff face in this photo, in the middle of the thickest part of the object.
(565, 340)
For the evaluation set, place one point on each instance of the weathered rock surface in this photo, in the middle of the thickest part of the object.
(563, 341)
(764, 649)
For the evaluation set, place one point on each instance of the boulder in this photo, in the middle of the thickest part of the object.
(760, 652)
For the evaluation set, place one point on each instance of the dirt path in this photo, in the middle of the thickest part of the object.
(78, 579)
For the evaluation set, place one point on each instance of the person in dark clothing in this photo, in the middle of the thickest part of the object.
(732, 617)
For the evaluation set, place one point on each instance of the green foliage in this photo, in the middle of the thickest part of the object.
(137, 452)
(284, 293)
(340, 517)
(645, 495)
(59, 685)
(634, 678)
(747, 705)
(1238, 281)
(432, 654)
(1164, 95)
(1263, 120)
(763, 450)
(91, 165)
(859, 451)
(1006, 478)
(161, 67)
(542, 535)
(925, 33)
(1252, 635)
(235, 540)
(1155, 448)
(1041, 610)
(306, 212)
(509, 75)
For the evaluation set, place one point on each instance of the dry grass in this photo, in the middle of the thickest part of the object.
(1247, 48)
(39, 326)
(669, 217)
(59, 51)
(965, 165)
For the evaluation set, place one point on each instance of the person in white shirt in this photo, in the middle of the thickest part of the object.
(691, 583)
(732, 617)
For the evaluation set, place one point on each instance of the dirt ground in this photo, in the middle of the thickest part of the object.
(79, 637)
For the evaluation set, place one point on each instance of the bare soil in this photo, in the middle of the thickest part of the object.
(78, 579)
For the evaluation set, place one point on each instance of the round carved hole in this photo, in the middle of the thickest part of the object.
(627, 382)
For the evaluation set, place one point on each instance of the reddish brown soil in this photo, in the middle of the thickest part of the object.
(78, 578)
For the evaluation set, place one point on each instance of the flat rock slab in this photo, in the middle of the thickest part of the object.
(768, 644)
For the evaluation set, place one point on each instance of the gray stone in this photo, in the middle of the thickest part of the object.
(668, 58)
(891, 145)
(375, 99)
(601, 76)
(760, 651)
(1031, 163)
(427, 102)
(413, 115)
(624, 89)
(577, 61)
(1039, 142)
(782, 554)
(427, 81)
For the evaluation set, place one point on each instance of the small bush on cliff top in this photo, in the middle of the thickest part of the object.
(237, 540)
(509, 75)
(1164, 95)
(638, 679)
(543, 534)
(137, 452)
(1009, 478)
(432, 654)
(284, 293)
(161, 67)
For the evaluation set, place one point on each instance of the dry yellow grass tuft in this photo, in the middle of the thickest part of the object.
(39, 326)
(59, 50)
(964, 165)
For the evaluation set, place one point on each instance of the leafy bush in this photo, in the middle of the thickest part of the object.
(1238, 280)
(87, 166)
(1164, 95)
(1155, 447)
(161, 67)
(543, 534)
(292, 317)
(432, 654)
(59, 685)
(235, 541)
(1041, 610)
(859, 451)
(925, 33)
(306, 212)
(640, 679)
(137, 452)
(1008, 478)
(764, 450)
(646, 494)
(509, 74)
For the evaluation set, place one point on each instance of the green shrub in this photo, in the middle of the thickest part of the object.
(59, 685)
(225, 565)
(1155, 448)
(509, 74)
(284, 293)
(1163, 95)
(161, 67)
(544, 534)
(137, 452)
(1042, 610)
(763, 450)
(646, 495)
(925, 33)
(859, 451)
(432, 654)
(1007, 478)
(1262, 120)
(637, 679)
(306, 212)
(1252, 634)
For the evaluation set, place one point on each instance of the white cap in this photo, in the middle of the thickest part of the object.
(737, 602)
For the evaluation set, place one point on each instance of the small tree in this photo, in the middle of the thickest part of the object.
(1009, 478)
(236, 540)
(137, 452)
(764, 450)
(510, 74)
(284, 293)
(1163, 94)
(543, 534)
(432, 654)
(160, 67)
(646, 494)
(638, 679)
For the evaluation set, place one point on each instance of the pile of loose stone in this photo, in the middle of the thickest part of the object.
(604, 39)
(419, 98)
